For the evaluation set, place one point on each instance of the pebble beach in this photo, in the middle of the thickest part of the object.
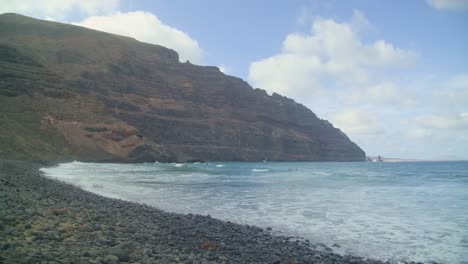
(47, 221)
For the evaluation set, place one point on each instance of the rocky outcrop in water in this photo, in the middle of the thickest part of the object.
(68, 92)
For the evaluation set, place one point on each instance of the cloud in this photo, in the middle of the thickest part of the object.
(457, 5)
(385, 93)
(147, 27)
(452, 92)
(58, 9)
(287, 74)
(459, 81)
(303, 17)
(419, 133)
(437, 121)
(360, 24)
(332, 68)
(103, 15)
(357, 122)
(331, 54)
(224, 68)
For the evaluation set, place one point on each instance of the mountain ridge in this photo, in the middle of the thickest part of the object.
(68, 92)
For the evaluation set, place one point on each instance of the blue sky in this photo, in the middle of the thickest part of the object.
(240, 32)
(393, 75)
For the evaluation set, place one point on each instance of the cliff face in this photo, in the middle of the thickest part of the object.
(67, 92)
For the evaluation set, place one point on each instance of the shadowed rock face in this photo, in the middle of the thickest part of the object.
(67, 92)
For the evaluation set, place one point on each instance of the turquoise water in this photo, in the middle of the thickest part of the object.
(391, 211)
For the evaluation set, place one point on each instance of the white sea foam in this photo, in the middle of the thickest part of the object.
(322, 173)
(219, 166)
(260, 170)
(97, 185)
(396, 212)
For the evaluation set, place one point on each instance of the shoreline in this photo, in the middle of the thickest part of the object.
(43, 219)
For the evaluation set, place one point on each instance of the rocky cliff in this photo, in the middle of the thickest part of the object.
(68, 92)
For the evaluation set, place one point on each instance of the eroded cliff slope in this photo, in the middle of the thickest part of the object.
(68, 92)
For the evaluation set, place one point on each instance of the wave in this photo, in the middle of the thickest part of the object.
(97, 185)
(323, 173)
(260, 170)
(343, 209)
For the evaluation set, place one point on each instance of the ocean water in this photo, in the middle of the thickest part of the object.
(391, 211)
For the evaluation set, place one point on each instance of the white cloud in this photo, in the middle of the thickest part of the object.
(437, 121)
(419, 133)
(458, 5)
(303, 17)
(146, 27)
(224, 68)
(357, 122)
(459, 81)
(385, 93)
(339, 43)
(452, 92)
(360, 23)
(287, 74)
(103, 15)
(58, 9)
(332, 54)
(332, 67)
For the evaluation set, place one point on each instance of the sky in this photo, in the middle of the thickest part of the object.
(392, 75)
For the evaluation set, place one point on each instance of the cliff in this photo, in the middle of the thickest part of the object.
(68, 92)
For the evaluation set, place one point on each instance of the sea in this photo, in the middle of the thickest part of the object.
(398, 211)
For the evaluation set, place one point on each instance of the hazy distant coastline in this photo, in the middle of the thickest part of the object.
(385, 159)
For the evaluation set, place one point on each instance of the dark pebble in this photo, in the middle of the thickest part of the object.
(69, 225)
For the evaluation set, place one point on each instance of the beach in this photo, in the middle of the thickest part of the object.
(47, 221)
